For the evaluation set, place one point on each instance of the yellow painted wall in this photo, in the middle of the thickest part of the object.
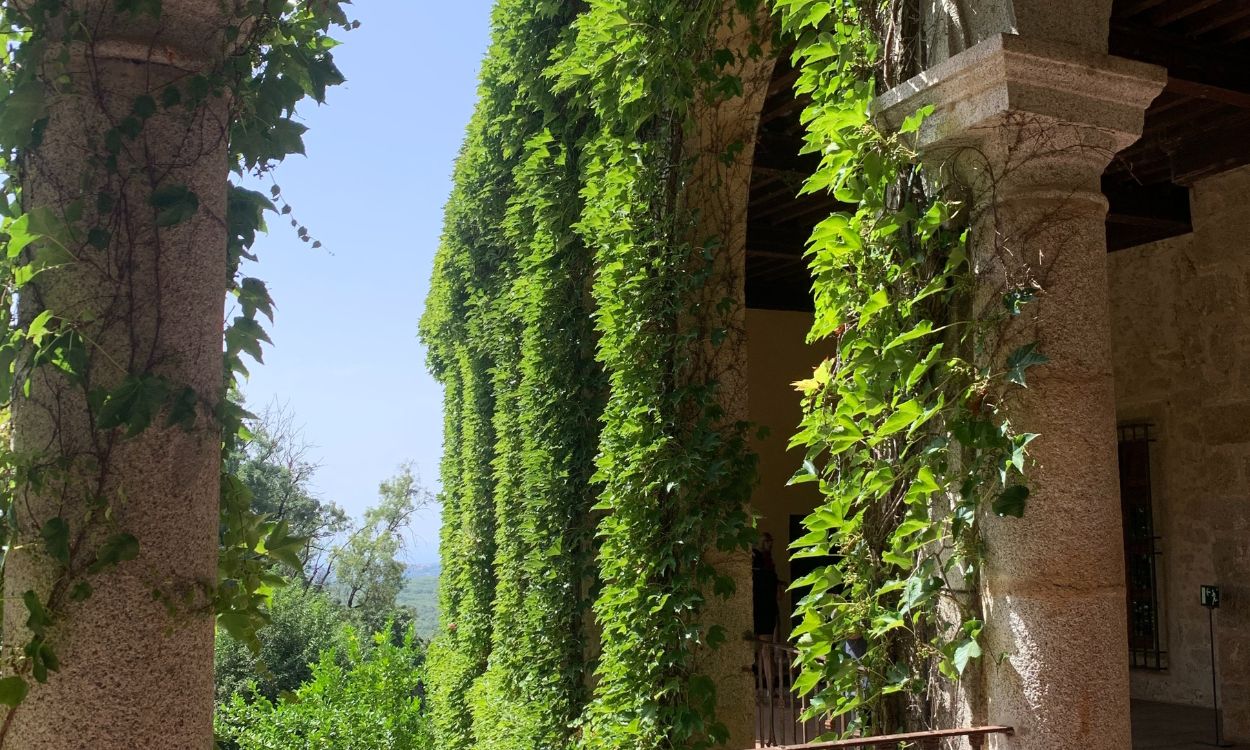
(776, 357)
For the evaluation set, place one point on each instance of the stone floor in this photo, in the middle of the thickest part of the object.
(1162, 726)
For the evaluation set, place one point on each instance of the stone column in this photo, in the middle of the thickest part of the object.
(149, 298)
(1029, 127)
(717, 193)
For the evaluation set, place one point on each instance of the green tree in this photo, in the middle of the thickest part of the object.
(366, 697)
(274, 464)
(347, 575)
(305, 623)
(367, 572)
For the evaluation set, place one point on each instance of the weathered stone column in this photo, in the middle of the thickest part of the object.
(148, 296)
(1029, 127)
(718, 193)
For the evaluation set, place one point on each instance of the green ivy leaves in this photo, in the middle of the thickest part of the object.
(1020, 360)
(140, 398)
(117, 549)
(13, 690)
(20, 111)
(1011, 501)
(150, 8)
(174, 204)
(905, 427)
(55, 533)
(562, 215)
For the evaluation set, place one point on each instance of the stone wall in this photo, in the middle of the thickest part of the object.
(1181, 343)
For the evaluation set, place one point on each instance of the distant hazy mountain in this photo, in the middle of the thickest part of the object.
(421, 593)
(423, 570)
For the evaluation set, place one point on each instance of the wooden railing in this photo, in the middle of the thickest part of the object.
(911, 741)
(779, 721)
(779, 712)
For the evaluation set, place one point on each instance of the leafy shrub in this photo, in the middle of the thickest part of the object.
(305, 624)
(366, 697)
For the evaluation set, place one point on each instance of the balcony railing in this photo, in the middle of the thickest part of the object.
(779, 721)
(915, 740)
(911, 741)
(779, 712)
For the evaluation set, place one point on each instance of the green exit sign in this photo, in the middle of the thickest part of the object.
(1211, 596)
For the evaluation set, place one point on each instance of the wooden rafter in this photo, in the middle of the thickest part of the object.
(1135, 7)
(1214, 19)
(1196, 90)
(1174, 13)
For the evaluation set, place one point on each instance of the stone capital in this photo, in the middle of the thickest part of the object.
(1009, 78)
(185, 34)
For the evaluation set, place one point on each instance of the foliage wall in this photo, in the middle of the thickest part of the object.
(578, 198)
(926, 312)
(588, 469)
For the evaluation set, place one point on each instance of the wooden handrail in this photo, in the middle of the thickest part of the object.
(919, 739)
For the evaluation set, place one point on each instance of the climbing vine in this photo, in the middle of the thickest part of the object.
(676, 476)
(510, 294)
(906, 425)
(116, 208)
(573, 279)
(575, 200)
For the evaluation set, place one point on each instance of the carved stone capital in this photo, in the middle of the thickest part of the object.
(1010, 78)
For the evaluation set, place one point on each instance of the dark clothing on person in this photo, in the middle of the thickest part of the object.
(764, 592)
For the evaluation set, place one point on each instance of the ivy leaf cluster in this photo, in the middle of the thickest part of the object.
(588, 473)
(905, 428)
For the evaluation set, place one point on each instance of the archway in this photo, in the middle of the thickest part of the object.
(778, 293)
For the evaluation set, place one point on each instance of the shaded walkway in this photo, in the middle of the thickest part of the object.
(1163, 726)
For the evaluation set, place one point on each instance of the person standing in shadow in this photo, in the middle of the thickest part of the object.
(765, 605)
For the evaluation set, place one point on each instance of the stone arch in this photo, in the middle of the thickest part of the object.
(721, 143)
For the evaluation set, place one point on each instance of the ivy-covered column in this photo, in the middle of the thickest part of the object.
(723, 143)
(124, 181)
(1027, 129)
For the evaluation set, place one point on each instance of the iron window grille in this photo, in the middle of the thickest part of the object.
(1142, 549)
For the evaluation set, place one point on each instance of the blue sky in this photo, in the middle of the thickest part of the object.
(346, 360)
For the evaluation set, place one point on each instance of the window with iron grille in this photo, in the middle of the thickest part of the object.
(1141, 549)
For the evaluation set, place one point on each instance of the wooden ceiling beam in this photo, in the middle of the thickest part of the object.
(780, 152)
(1168, 15)
(1138, 214)
(1215, 19)
(774, 255)
(1184, 58)
(1130, 8)
(809, 213)
(785, 211)
(796, 176)
(1196, 155)
(1209, 92)
(1236, 34)
(1198, 158)
(790, 107)
(1166, 103)
(786, 241)
(772, 187)
(1150, 222)
(784, 82)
